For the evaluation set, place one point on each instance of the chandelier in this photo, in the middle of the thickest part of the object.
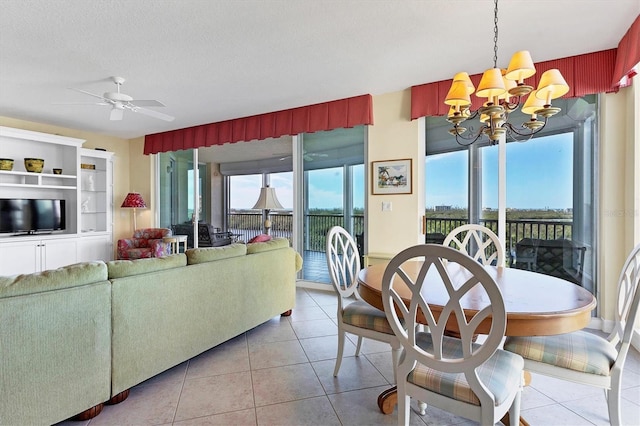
(504, 90)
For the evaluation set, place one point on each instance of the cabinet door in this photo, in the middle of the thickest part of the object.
(95, 247)
(19, 257)
(57, 253)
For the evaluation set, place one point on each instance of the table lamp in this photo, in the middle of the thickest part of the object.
(267, 201)
(134, 201)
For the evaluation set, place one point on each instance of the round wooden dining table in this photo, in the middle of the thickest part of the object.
(535, 304)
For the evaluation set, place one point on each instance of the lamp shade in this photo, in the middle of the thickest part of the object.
(134, 200)
(520, 67)
(491, 84)
(552, 85)
(464, 77)
(458, 95)
(532, 104)
(268, 199)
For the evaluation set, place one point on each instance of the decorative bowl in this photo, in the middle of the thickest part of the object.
(6, 164)
(34, 165)
(57, 171)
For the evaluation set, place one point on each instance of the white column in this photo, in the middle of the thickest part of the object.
(502, 191)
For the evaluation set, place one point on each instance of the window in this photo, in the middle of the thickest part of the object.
(549, 191)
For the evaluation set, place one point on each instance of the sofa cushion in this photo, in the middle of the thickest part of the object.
(210, 254)
(127, 268)
(67, 276)
(274, 244)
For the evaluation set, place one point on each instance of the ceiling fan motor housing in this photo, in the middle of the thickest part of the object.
(117, 97)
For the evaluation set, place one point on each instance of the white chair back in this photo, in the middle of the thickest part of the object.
(487, 246)
(628, 302)
(343, 261)
(458, 277)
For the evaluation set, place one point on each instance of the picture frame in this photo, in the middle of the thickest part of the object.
(391, 177)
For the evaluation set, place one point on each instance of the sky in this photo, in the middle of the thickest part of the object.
(539, 175)
(325, 189)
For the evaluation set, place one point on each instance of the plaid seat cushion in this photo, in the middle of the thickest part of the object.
(361, 314)
(580, 351)
(500, 373)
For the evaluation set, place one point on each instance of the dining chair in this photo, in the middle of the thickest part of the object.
(479, 242)
(354, 316)
(478, 381)
(584, 357)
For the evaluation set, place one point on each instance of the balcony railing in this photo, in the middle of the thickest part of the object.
(516, 229)
(315, 226)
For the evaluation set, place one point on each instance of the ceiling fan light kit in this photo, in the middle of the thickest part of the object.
(120, 102)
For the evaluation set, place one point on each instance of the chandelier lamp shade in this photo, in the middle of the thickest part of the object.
(134, 201)
(505, 91)
(267, 201)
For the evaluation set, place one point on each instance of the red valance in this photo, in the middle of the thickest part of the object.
(628, 55)
(341, 113)
(586, 74)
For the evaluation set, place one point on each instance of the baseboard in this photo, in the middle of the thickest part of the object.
(315, 286)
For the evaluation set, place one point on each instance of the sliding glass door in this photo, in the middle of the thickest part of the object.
(332, 194)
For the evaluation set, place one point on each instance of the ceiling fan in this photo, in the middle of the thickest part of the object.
(120, 102)
(308, 156)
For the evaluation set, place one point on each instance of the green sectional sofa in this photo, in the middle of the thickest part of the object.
(76, 337)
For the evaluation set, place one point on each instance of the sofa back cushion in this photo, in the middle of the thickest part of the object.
(126, 268)
(152, 233)
(210, 254)
(273, 244)
(67, 276)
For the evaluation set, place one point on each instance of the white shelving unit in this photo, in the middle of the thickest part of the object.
(88, 195)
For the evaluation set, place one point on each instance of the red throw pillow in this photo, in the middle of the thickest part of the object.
(260, 238)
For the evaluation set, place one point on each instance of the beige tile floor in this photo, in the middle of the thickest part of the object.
(281, 373)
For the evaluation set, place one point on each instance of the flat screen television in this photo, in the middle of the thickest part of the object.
(19, 215)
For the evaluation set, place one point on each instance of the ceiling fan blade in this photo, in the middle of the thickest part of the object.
(153, 114)
(147, 103)
(79, 103)
(116, 114)
(89, 93)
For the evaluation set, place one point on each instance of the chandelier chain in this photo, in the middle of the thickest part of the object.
(495, 34)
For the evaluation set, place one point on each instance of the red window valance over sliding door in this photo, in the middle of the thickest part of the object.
(586, 74)
(628, 55)
(341, 113)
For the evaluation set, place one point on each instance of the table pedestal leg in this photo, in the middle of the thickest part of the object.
(387, 400)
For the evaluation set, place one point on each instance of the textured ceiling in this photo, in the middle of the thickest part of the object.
(209, 61)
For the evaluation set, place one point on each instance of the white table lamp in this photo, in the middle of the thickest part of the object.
(267, 201)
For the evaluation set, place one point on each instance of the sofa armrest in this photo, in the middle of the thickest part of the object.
(126, 244)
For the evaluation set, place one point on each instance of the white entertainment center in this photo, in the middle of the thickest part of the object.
(86, 185)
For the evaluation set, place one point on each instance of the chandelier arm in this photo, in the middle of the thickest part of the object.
(464, 140)
(513, 130)
(510, 107)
